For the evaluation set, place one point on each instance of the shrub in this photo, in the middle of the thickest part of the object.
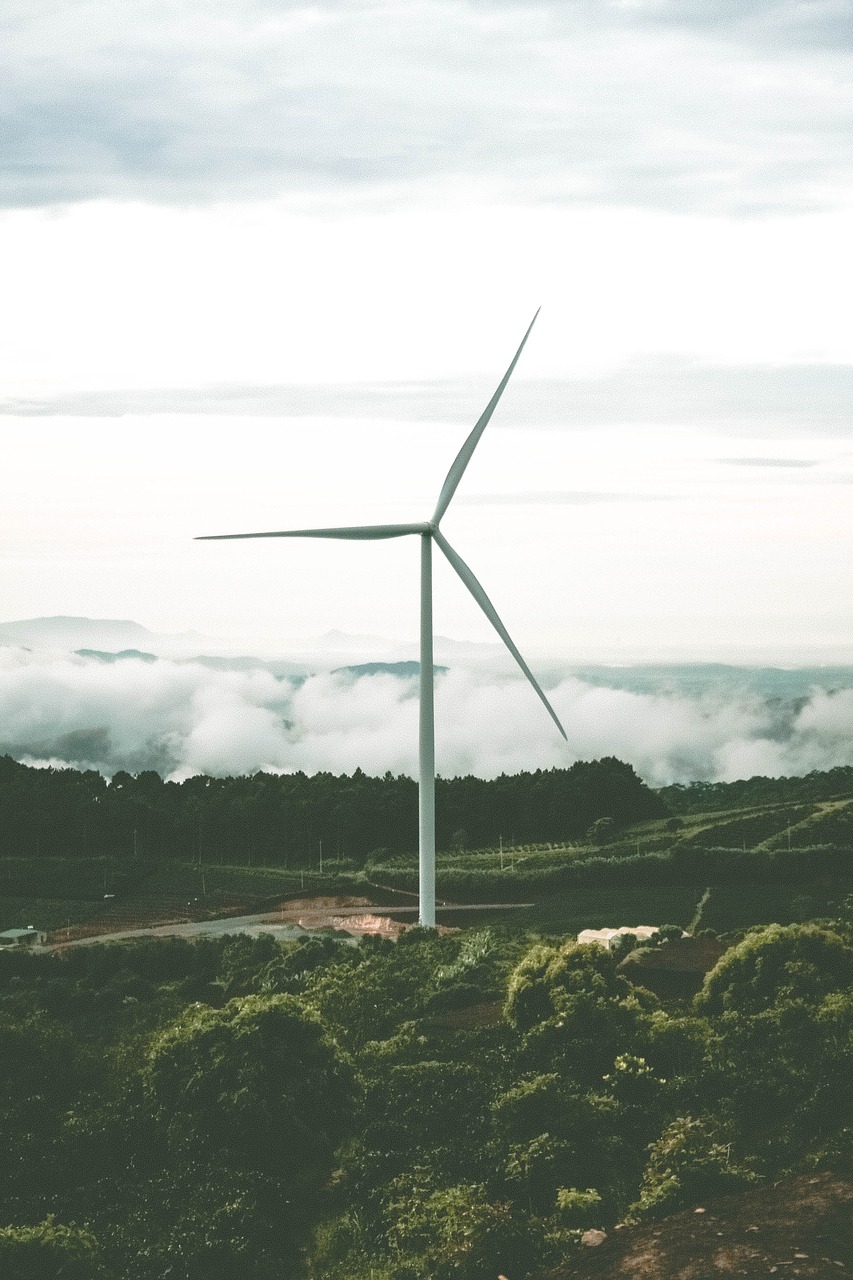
(49, 1250)
(578, 1208)
(458, 1234)
(688, 1162)
(799, 961)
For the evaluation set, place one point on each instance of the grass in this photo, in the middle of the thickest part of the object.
(733, 907)
(241, 881)
(45, 913)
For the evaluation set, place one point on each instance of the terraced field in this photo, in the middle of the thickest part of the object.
(106, 895)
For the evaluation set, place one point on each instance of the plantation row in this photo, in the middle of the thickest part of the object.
(757, 828)
(458, 876)
(681, 865)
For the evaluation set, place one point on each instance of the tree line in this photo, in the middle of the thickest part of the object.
(279, 818)
(699, 797)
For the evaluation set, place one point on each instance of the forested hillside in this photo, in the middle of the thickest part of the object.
(67, 813)
(452, 1106)
(697, 796)
(449, 1107)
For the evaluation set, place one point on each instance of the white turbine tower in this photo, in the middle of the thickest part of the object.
(430, 532)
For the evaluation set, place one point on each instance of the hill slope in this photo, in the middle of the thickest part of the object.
(801, 1226)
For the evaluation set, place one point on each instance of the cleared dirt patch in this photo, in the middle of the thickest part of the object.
(358, 924)
(674, 968)
(800, 1226)
(288, 905)
(342, 913)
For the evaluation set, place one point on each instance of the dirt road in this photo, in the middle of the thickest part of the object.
(293, 919)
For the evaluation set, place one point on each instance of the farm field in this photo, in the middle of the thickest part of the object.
(45, 913)
(231, 890)
(566, 913)
(778, 861)
(53, 893)
(729, 908)
(734, 907)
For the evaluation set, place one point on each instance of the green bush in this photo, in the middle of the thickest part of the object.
(547, 975)
(457, 1233)
(797, 961)
(578, 1208)
(260, 1078)
(50, 1251)
(687, 1164)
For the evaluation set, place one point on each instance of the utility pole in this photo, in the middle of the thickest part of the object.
(502, 851)
(321, 857)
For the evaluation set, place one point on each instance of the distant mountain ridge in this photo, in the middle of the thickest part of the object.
(402, 670)
(122, 655)
(113, 640)
(65, 632)
(105, 635)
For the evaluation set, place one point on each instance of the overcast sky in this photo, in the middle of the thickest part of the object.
(263, 264)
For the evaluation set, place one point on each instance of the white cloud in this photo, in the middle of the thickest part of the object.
(182, 718)
(710, 107)
(105, 299)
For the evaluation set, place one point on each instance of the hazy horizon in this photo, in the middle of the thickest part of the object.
(64, 702)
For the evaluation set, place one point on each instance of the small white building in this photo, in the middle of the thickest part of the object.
(21, 937)
(609, 938)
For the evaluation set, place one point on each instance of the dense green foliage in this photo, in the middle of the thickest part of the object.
(453, 1106)
(448, 1106)
(702, 797)
(801, 962)
(281, 818)
(49, 1250)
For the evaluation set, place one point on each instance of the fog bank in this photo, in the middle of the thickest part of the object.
(184, 717)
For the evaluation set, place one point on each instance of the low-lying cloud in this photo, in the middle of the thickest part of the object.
(182, 717)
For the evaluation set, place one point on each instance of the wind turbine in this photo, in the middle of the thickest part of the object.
(429, 532)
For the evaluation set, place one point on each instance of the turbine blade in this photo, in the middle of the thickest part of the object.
(463, 457)
(364, 532)
(491, 613)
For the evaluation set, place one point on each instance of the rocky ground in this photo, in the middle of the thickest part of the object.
(800, 1226)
